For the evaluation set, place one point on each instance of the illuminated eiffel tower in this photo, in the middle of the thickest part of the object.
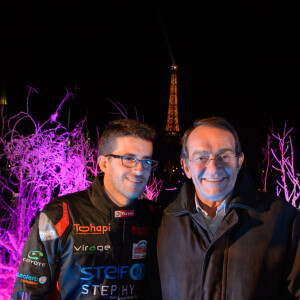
(3, 100)
(172, 127)
(169, 169)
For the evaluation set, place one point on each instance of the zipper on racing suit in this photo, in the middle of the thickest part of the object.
(123, 241)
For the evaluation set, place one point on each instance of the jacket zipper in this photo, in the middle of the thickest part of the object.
(123, 240)
(124, 231)
(209, 248)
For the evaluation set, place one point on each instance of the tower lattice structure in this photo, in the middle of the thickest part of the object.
(3, 100)
(172, 126)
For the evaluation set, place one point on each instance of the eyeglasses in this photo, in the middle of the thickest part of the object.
(223, 159)
(131, 162)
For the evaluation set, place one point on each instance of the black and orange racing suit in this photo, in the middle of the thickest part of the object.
(87, 247)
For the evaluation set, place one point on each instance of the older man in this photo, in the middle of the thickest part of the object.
(220, 238)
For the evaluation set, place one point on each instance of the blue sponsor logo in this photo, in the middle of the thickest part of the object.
(41, 279)
(136, 272)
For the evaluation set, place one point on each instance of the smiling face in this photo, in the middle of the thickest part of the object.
(215, 180)
(124, 184)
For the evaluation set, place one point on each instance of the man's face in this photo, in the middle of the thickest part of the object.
(214, 180)
(124, 184)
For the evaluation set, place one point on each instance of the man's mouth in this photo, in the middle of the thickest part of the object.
(213, 179)
(135, 180)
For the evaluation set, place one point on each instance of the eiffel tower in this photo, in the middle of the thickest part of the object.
(3, 100)
(169, 169)
(172, 127)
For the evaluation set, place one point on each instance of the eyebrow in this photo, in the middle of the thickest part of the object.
(134, 156)
(200, 152)
(221, 151)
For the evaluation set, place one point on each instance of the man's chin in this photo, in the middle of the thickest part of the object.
(213, 197)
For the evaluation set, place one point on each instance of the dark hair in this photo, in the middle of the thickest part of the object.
(214, 122)
(121, 128)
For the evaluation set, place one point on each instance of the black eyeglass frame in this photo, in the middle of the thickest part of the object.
(153, 163)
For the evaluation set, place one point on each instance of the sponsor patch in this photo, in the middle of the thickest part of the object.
(35, 255)
(91, 229)
(139, 250)
(136, 272)
(91, 249)
(47, 229)
(33, 258)
(124, 213)
(136, 230)
(33, 280)
(42, 279)
(126, 291)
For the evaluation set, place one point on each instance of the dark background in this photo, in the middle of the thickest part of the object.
(236, 59)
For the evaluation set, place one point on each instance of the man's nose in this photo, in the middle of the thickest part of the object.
(139, 166)
(212, 164)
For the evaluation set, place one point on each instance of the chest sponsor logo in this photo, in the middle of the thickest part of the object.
(139, 250)
(33, 280)
(91, 229)
(95, 249)
(136, 272)
(136, 230)
(124, 290)
(124, 213)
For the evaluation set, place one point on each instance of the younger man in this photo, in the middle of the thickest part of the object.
(94, 244)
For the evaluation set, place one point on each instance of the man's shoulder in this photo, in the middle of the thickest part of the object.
(276, 203)
(57, 205)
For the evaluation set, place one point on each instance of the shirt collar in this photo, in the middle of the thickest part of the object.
(219, 209)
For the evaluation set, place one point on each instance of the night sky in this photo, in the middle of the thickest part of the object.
(236, 60)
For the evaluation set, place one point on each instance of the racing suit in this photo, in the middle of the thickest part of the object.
(88, 248)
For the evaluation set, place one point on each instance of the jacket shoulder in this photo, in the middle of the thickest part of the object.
(272, 201)
(57, 207)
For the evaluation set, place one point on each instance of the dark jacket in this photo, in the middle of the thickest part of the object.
(91, 247)
(255, 253)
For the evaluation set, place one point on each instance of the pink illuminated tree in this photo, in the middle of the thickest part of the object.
(268, 158)
(152, 189)
(281, 159)
(49, 162)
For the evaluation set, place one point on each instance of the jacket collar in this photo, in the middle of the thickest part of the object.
(244, 196)
(103, 203)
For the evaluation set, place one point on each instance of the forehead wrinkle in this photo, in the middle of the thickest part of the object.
(200, 152)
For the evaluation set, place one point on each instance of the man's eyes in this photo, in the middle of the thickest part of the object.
(202, 158)
(129, 159)
(221, 156)
(147, 161)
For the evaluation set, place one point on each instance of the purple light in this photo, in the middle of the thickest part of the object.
(38, 164)
(152, 189)
(279, 154)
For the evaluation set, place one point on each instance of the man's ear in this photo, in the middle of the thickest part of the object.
(240, 160)
(102, 162)
(186, 168)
